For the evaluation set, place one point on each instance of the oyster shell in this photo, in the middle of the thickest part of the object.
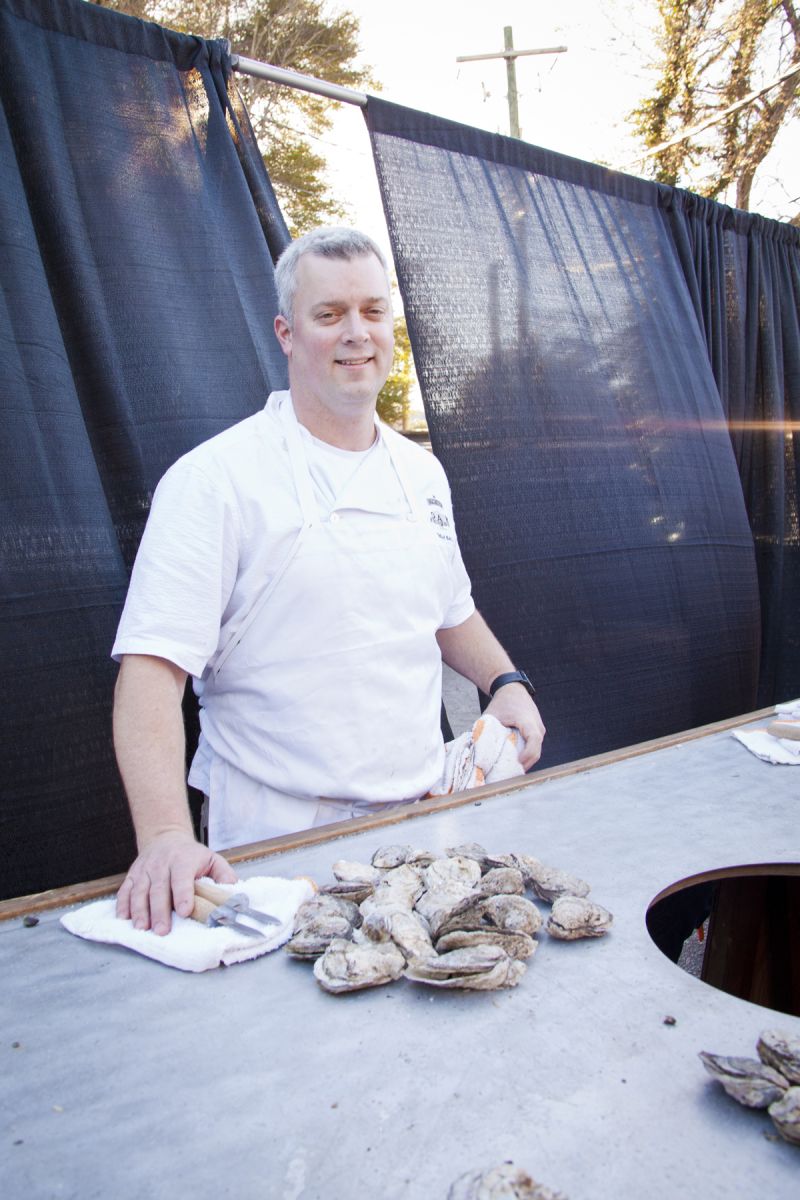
(549, 883)
(574, 917)
(513, 914)
(392, 856)
(437, 904)
(420, 858)
(529, 867)
(347, 967)
(470, 850)
(516, 945)
(357, 892)
(505, 1182)
(479, 968)
(502, 881)
(780, 1050)
(455, 869)
(408, 930)
(399, 889)
(785, 1115)
(500, 860)
(318, 921)
(748, 1080)
(355, 872)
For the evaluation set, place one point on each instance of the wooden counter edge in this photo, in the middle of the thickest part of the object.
(81, 893)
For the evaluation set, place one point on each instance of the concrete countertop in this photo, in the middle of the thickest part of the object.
(123, 1078)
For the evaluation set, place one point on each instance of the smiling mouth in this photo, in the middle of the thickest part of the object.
(354, 362)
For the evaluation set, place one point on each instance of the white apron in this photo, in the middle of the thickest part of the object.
(331, 687)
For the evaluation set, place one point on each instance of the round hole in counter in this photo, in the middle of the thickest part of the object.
(749, 918)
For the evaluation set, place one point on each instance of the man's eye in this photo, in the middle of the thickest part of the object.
(376, 312)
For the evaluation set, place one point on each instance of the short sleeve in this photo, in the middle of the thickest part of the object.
(184, 572)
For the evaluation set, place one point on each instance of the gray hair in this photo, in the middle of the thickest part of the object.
(334, 242)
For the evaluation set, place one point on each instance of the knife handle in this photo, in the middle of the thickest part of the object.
(787, 728)
(202, 910)
(211, 891)
(207, 897)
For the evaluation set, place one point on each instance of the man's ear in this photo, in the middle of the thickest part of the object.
(284, 334)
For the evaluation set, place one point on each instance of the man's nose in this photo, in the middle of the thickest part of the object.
(355, 328)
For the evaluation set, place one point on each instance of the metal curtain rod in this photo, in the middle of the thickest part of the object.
(307, 83)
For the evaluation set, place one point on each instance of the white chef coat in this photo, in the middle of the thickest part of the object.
(335, 691)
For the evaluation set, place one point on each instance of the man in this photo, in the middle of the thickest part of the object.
(302, 567)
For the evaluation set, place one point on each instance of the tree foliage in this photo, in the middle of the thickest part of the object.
(715, 53)
(299, 35)
(394, 401)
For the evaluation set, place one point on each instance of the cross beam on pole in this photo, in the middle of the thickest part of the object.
(511, 55)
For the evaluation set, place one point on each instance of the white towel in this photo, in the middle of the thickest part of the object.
(488, 753)
(190, 946)
(783, 751)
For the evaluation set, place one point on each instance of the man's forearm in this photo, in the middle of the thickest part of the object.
(150, 745)
(473, 651)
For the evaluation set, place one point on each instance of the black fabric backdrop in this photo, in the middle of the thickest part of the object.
(136, 222)
(582, 337)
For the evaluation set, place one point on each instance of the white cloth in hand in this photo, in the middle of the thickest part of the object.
(488, 753)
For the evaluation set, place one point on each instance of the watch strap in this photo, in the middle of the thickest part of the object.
(512, 677)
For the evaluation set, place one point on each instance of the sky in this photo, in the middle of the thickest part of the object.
(575, 103)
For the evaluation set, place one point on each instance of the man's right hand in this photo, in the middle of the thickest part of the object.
(162, 879)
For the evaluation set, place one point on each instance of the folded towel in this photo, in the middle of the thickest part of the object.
(784, 751)
(488, 753)
(190, 946)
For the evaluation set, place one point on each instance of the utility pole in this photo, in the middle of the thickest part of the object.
(511, 55)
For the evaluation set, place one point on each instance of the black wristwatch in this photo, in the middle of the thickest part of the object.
(512, 677)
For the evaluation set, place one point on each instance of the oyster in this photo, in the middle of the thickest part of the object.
(392, 856)
(505, 1182)
(550, 883)
(399, 889)
(500, 860)
(748, 1080)
(516, 945)
(347, 967)
(513, 914)
(785, 1115)
(502, 881)
(780, 1050)
(420, 858)
(437, 904)
(470, 850)
(355, 872)
(406, 877)
(529, 867)
(574, 917)
(455, 869)
(408, 930)
(318, 921)
(357, 892)
(475, 967)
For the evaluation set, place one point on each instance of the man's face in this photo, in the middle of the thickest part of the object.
(341, 341)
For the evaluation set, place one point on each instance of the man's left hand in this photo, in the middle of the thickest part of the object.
(513, 707)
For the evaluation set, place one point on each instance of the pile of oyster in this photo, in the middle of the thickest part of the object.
(771, 1081)
(461, 921)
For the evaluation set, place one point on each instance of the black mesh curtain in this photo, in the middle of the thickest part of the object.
(571, 399)
(136, 223)
(744, 277)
